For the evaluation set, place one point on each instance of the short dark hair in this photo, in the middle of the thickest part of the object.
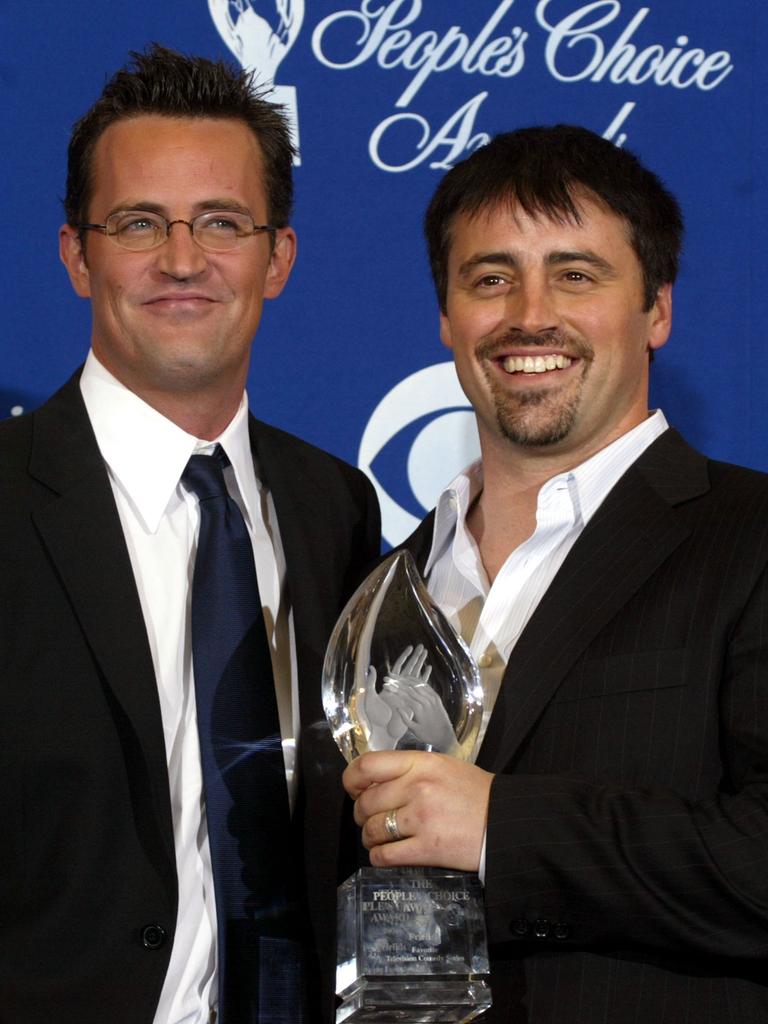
(162, 81)
(546, 170)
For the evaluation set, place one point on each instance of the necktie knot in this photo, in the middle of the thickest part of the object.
(204, 474)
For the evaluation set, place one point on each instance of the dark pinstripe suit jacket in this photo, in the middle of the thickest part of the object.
(627, 856)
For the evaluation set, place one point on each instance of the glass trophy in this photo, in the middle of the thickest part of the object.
(411, 941)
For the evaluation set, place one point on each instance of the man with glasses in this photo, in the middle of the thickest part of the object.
(171, 571)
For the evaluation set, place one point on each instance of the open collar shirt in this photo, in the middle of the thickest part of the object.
(491, 616)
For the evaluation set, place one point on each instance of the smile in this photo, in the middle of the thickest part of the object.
(180, 307)
(535, 364)
(177, 300)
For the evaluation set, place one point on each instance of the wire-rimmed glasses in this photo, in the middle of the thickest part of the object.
(214, 230)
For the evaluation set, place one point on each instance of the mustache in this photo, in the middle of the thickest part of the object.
(554, 341)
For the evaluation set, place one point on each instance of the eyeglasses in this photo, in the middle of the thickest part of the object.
(214, 231)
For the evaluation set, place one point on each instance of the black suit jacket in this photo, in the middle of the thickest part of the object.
(87, 865)
(627, 845)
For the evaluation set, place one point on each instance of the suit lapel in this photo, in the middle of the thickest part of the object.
(633, 532)
(80, 527)
(299, 502)
(420, 541)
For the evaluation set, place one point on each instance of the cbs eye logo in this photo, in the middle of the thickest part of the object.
(419, 436)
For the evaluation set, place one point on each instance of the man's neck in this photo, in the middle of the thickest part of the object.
(504, 515)
(203, 407)
(203, 415)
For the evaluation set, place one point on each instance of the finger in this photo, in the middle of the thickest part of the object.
(397, 668)
(376, 803)
(405, 715)
(376, 832)
(376, 767)
(380, 798)
(422, 698)
(417, 660)
(398, 693)
(390, 696)
(422, 657)
(398, 701)
(406, 853)
(410, 665)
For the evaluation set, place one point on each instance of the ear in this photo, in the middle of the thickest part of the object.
(280, 263)
(660, 318)
(445, 331)
(73, 257)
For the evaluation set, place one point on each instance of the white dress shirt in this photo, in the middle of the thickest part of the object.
(145, 455)
(491, 617)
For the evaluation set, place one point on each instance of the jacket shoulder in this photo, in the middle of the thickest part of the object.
(278, 449)
(15, 449)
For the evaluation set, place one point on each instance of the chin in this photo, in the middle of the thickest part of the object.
(530, 426)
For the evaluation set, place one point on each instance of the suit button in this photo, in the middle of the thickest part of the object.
(541, 928)
(520, 926)
(153, 936)
(562, 930)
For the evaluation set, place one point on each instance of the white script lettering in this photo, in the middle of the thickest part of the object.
(616, 123)
(623, 61)
(456, 134)
(383, 34)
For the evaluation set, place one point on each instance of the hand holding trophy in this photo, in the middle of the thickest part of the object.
(412, 944)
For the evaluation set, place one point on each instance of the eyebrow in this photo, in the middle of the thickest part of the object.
(553, 259)
(581, 256)
(143, 206)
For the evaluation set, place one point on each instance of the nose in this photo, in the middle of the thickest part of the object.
(531, 308)
(180, 256)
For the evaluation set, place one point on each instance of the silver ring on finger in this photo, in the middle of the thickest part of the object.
(390, 825)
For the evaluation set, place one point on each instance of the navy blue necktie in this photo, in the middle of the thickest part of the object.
(246, 796)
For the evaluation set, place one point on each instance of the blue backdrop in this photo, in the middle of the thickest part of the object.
(386, 96)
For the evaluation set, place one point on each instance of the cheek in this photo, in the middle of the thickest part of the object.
(611, 333)
(245, 285)
(110, 294)
(589, 320)
(468, 324)
(111, 284)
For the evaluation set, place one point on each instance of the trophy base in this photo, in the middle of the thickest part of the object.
(412, 947)
(415, 1001)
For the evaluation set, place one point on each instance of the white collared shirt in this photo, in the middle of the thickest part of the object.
(145, 455)
(491, 617)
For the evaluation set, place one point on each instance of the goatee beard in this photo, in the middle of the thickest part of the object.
(540, 417)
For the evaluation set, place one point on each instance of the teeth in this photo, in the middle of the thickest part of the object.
(536, 364)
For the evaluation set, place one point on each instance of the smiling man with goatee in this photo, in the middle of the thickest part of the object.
(612, 585)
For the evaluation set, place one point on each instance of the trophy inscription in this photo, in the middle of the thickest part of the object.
(411, 944)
